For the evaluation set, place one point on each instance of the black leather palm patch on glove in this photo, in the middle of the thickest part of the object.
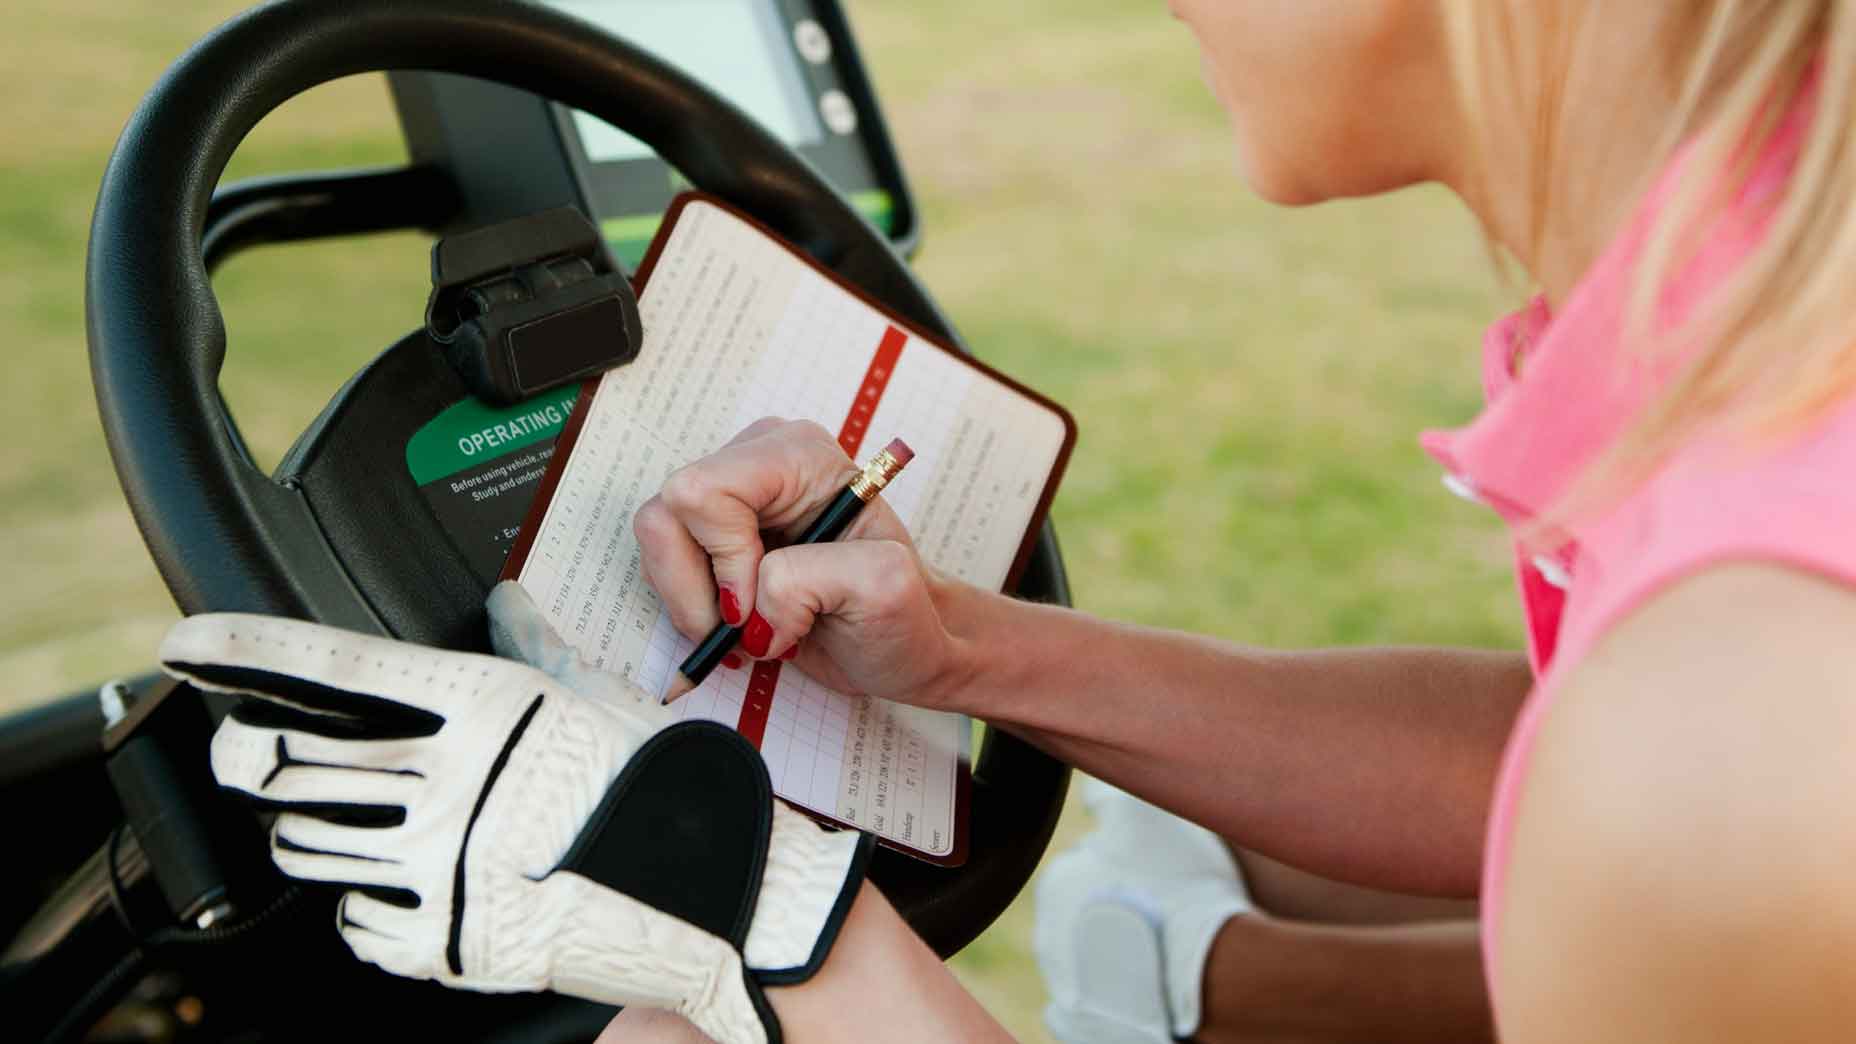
(685, 829)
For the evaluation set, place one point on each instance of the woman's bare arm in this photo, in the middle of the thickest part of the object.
(1297, 895)
(1372, 766)
(1280, 981)
(1369, 766)
(1684, 855)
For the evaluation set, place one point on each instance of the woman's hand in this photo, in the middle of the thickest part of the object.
(861, 614)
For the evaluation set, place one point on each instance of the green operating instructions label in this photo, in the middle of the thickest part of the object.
(479, 466)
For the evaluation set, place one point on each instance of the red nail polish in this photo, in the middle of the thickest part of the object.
(732, 661)
(791, 651)
(731, 607)
(757, 635)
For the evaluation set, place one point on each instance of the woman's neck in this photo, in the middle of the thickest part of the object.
(1613, 113)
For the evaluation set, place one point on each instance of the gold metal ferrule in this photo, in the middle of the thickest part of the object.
(875, 475)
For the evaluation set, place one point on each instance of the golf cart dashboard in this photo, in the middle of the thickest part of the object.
(790, 64)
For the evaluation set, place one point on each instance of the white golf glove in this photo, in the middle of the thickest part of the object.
(508, 827)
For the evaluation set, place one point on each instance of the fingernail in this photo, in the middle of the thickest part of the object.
(791, 651)
(732, 661)
(731, 607)
(757, 635)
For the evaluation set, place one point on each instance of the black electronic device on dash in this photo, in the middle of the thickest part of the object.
(531, 304)
(790, 64)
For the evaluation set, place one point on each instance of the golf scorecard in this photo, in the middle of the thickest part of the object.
(738, 326)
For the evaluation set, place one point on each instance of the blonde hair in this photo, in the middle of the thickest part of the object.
(1774, 345)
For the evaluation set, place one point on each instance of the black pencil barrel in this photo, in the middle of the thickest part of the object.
(709, 652)
(837, 516)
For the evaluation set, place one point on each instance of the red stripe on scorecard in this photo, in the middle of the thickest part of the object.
(758, 702)
(876, 378)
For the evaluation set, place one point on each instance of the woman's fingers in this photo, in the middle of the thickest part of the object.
(717, 503)
(760, 427)
(701, 536)
(677, 568)
(864, 581)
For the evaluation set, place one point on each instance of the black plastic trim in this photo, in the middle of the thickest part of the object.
(294, 207)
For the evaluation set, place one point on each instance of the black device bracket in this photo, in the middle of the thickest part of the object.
(526, 305)
(155, 752)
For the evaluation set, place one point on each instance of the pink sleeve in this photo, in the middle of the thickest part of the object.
(1790, 502)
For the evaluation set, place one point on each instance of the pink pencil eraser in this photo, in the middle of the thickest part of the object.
(899, 450)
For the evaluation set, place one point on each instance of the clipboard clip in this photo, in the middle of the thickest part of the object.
(530, 304)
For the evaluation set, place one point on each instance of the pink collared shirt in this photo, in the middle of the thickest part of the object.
(1575, 390)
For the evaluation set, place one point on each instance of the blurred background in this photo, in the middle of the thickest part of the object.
(1249, 382)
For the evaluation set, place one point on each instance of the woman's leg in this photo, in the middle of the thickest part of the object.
(1334, 962)
(1290, 982)
(1297, 895)
(1318, 958)
(879, 983)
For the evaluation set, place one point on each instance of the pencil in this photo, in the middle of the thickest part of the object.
(833, 521)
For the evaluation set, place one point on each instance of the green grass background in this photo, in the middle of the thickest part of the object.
(1248, 381)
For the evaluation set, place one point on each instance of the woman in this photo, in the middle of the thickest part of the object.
(1670, 434)
(1662, 852)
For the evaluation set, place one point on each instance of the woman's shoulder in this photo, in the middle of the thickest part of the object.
(1786, 499)
(1689, 792)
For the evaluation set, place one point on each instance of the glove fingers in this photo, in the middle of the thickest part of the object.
(274, 765)
(313, 849)
(389, 955)
(381, 918)
(277, 713)
(381, 935)
(406, 689)
(316, 786)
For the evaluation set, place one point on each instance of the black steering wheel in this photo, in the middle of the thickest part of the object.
(339, 534)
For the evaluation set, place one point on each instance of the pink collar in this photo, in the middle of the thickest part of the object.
(1575, 389)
